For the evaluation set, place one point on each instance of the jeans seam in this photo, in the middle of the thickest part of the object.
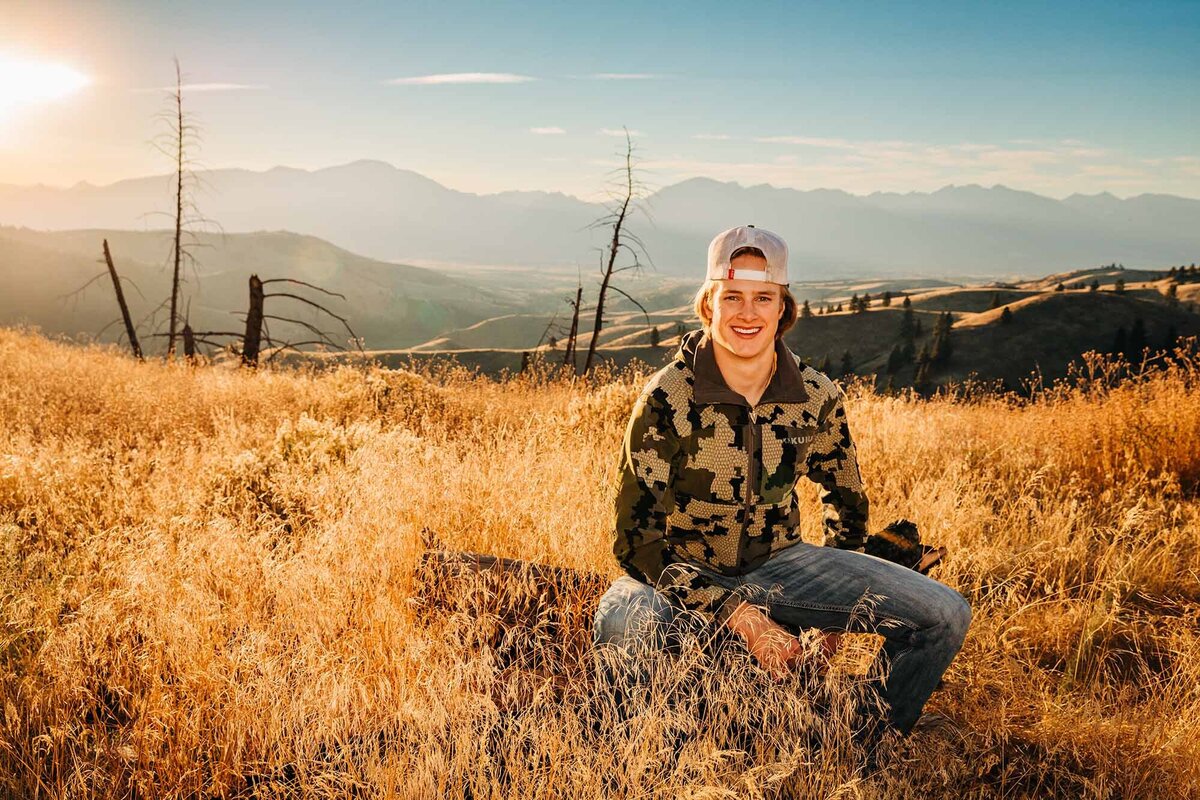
(849, 610)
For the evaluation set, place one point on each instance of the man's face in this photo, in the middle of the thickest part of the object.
(745, 314)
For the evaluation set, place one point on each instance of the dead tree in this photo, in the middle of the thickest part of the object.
(189, 343)
(257, 331)
(177, 250)
(130, 331)
(569, 358)
(616, 218)
(252, 339)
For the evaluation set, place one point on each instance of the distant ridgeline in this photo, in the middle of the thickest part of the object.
(919, 333)
(904, 333)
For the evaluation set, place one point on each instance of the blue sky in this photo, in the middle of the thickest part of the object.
(1051, 97)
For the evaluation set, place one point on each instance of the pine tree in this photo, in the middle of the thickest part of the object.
(552, 342)
(1137, 338)
(854, 304)
(1094, 286)
(1171, 340)
(866, 302)
(895, 360)
(1173, 295)
(924, 370)
(907, 303)
(847, 364)
(1059, 288)
(942, 347)
(806, 310)
(654, 336)
(887, 300)
(1006, 316)
(1119, 287)
(838, 309)
(908, 326)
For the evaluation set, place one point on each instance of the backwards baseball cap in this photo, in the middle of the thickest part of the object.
(726, 243)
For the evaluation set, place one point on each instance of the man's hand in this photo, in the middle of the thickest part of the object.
(772, 645)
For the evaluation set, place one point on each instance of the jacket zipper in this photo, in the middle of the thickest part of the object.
(752, 478)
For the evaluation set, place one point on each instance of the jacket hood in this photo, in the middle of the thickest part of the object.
(696, 351)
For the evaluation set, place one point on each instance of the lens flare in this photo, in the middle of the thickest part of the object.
(24, 82)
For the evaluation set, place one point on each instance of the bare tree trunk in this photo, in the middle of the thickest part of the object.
(178, 211)
(129, 329)
(189, 343)
(614, 248)
(569, 358)
(252, 341)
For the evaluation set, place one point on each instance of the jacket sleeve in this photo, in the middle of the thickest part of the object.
(644, 499)
(833, 464)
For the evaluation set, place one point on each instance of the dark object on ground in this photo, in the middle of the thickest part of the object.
(900, 543)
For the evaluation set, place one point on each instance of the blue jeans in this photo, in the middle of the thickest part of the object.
(923, 622)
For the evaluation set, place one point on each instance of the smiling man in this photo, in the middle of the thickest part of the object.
(707, 518)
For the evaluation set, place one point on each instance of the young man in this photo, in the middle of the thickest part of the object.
(706, 512)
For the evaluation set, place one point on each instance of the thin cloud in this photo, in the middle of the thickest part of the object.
(617, 132)
(808, 141)
(552, 131)
(625, 76)
(712, 137)
(447, 78)
(211, 87)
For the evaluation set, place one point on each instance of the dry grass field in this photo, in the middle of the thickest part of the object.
(206, 590)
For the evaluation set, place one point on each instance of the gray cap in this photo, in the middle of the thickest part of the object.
(728, 242)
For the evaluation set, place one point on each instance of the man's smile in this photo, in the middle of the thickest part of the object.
(746, 332)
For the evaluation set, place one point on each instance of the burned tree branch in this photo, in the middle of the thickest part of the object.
(309, 285)
(130, 331)
(625, 294)
(319, 307)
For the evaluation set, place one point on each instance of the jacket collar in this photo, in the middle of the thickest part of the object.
(786, 386)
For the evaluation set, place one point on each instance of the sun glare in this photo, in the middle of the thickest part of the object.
(25, 82)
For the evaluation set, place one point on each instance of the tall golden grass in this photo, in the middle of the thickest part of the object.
(207, 590)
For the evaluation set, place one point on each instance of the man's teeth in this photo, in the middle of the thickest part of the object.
(747, 330)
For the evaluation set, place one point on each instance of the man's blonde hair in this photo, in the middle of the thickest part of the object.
(702, 303)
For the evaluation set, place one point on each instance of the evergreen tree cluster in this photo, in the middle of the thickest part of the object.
(943, 347)
(1188, 274)
(1134, 345)
(859, 304)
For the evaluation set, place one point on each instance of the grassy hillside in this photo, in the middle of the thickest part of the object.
(389, 304)
(206, 590)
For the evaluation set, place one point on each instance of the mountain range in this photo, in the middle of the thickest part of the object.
(396, 215)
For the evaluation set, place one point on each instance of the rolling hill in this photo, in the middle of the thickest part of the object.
(389, 304)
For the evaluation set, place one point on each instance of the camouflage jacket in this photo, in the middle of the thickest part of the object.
(708, 481)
